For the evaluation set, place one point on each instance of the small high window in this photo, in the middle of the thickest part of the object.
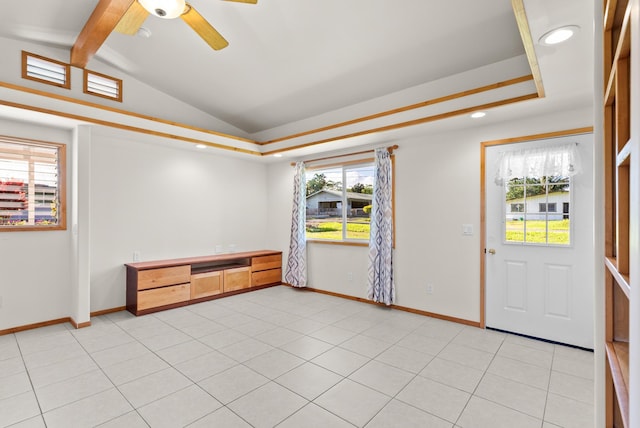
(102, 85)
(32, 185)
(45, 70)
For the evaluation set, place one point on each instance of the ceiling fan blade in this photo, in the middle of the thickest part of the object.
(244, 1)
(203, 28)
(132, 19)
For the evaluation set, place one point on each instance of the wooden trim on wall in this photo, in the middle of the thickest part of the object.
(527, 41)
(413, 122)
(67, 72)
(400, 308)
(85, 85)
(108, 311)
(129, 128)
(114, 110)
(422, 104)
(78, 325)
(34, 325)
(483, 237)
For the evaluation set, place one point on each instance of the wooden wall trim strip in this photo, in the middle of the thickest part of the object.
(413, 122)
(129, 128)
(422, 104)
(108, 311)
(527, 41)
(78, 325)
(34, 325)
(400, 308)
(120, 111)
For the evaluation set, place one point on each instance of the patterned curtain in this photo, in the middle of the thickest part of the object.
(381, 287)
(296, 272)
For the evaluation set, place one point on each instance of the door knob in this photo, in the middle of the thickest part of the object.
(491, 251)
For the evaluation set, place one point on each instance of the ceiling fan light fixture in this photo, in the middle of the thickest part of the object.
(558, 35)
(166, 9)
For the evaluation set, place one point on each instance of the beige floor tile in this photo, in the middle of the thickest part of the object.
(398, 414)
(309, 380)
(518, 396)
(435, 398)
(180, 408)
(481, 413)
(268, 405)
(233, 383)
(353, 402)
(453, 374)
(313, 416)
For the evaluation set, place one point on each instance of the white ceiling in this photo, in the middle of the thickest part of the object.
(290, 61)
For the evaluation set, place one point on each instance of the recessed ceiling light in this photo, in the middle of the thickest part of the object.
(200, 146)
(478, 114)
(558, 35)
(277, 155)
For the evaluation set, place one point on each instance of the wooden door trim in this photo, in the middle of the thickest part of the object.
(483, 231)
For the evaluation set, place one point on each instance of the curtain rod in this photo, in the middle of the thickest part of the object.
(390, 149)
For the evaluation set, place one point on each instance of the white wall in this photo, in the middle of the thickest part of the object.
(35, 266)
(166, 203)
(437, 191)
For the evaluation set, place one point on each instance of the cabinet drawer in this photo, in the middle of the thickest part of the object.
(237, 279)
(266, 262)
(148, 299)
(264, 277)
(153, 278)
(206, 284)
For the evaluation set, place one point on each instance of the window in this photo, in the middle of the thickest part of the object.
(339, 202)
(531, 210)
(517, 208)
(547, 207)
(32, 185)
(45, 70)
(102, 85)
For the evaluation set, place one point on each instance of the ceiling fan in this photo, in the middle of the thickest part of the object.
(171, 9)
(127, 16)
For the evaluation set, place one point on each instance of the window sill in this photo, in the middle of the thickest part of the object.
(347, 243)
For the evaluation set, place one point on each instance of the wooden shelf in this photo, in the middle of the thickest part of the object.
(621, 279)
(618, 360)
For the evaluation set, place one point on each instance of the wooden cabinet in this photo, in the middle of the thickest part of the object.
(164, 284)
(237, 278)
(617, 156)
(206, 284)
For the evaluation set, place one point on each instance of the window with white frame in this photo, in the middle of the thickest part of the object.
(32, 185)
(339, 201)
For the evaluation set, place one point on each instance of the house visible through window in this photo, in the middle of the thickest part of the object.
(339, 202)
(531, 210)
(32, 195)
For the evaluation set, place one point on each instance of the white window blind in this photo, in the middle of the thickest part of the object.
(29, 184)
(102, 85)
(45, 70)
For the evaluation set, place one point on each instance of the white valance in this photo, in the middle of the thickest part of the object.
(562, 160)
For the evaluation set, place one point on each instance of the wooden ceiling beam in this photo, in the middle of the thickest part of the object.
(101, 23)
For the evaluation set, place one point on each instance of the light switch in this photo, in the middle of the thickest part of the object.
(467, 229)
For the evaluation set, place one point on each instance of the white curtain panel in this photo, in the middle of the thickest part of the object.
(380, 278)
(296, 271)
(561, 160)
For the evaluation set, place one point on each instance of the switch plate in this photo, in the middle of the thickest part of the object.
(136, 256)
(467, 229)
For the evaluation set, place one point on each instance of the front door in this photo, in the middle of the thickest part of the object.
(539, 249)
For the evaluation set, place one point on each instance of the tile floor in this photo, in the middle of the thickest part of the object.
(288, 358)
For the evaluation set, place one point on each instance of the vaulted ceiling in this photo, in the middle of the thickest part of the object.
(306, 76)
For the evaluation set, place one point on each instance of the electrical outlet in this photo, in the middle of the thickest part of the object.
(429, 288)
(349, 276)
(136, 256)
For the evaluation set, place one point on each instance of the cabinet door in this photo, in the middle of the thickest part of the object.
(206, 284)
(153, 278)
(237, 279)
(148, 299)
(266, 262)
(271, 276)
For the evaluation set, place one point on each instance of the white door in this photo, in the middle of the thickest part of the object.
(537, 284)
